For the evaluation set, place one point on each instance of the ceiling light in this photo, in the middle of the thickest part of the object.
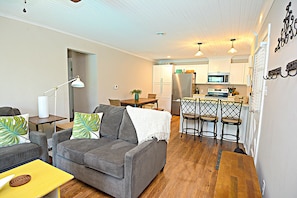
(199, 53)
(232, 50)
(160, 33)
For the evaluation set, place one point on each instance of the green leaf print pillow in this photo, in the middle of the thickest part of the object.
(14, 130)
(86, 125)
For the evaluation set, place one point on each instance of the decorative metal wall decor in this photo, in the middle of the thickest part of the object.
(289, 31)
(291, 66)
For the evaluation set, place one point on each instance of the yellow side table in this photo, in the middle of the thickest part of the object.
(45, 180)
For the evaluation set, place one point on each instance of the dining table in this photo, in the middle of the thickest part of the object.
(139, 103)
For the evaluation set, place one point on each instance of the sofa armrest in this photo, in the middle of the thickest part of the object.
(40, 139)
(58, 137)
(142, 164)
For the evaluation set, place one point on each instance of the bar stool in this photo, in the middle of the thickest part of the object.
(189, 112)
(208, 109)
(230, 114)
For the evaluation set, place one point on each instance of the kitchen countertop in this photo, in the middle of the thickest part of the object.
(229, 98)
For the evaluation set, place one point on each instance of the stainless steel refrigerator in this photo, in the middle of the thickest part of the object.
(182, 86)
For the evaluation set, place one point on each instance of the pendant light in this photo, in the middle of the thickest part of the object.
(232, 50)
(199, 53)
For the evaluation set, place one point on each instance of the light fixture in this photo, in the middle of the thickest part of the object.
(75, 82)
(24, 10)
(232, 50)
(199, 53)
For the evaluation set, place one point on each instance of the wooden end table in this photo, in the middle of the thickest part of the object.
(37, 121)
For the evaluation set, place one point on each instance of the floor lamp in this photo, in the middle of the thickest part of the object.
(75, 82)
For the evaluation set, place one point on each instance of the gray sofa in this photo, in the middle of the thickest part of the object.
(115, 163)
(15, 155)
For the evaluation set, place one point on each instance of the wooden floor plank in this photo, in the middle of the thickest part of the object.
(190, 170)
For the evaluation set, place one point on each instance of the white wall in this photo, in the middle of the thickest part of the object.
(277, 158)
(34, 59)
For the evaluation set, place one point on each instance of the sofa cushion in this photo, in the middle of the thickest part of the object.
(109, 158)
(9, 111)
(6, 111)
(127, 131)
(17, 154)
(75, 149)
(111, 120)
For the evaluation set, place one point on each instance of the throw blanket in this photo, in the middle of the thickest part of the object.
(150, 123)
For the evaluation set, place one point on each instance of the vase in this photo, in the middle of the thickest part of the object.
(136, 96)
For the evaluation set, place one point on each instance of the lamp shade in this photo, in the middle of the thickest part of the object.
(232, 50)
(199, 53)
(77, 83)
(43, 107)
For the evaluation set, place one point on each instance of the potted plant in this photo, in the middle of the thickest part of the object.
(136, 93)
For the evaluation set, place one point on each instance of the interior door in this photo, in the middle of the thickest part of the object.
(257, 98)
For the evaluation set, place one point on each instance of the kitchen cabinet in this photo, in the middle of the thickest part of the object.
(162, 85)
(201, 71)
(201, 74)
(237, 73)
(219, 65)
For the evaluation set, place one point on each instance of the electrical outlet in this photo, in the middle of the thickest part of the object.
(263, 187)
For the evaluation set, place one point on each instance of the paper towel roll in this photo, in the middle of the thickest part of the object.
(43, 107)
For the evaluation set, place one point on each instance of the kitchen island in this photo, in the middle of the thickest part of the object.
(229, 129)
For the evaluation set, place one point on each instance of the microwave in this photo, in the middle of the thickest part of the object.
(219, 78)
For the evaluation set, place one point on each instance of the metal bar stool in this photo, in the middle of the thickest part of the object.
(230, 114)
(189, 112)
(208, 110)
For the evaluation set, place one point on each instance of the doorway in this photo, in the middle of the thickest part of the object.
(83, 65)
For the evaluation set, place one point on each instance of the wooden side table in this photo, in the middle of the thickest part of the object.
(64, 126)
(37, 121)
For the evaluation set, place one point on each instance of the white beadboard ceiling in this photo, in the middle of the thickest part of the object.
(131, 25)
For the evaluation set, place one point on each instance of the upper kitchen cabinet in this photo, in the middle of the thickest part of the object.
(201, 74)
(162, 73)
(218, 65)
(201, 71)
(238, 73)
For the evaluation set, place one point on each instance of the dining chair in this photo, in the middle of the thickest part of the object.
(114, 102)
(230, 114)
(152, 105)
(189, 111)
(208, 110)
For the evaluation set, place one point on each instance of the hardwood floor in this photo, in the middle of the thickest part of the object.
(190, 170)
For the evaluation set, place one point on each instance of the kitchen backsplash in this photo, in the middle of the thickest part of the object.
(243, 90)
